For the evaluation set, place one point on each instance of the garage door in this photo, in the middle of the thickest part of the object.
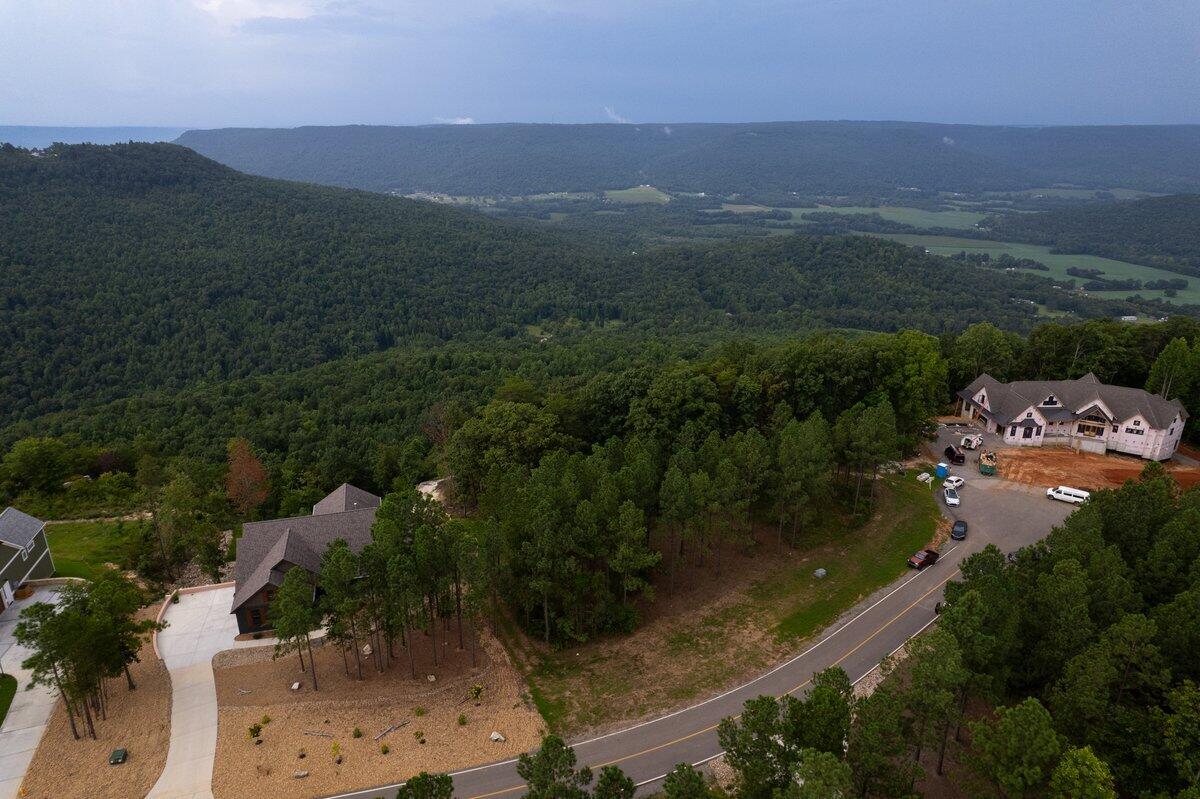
(1096, 446)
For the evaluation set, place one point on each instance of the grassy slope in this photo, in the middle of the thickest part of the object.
(80, 549)
(678, 659)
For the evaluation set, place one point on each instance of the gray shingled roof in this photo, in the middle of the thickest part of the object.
(300, 540)
(1007, 400)
(18, 528)
(346, 497)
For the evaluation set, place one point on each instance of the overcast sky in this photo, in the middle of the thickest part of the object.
(211, 63)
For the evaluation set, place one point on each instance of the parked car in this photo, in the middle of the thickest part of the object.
(954, 482)
(926, 557)
(959, 531)
(951, 497)
(1068, 494)
(955, 455)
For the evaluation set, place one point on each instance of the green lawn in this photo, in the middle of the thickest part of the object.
(8, 689)
(1057, 262)
(81, 549)
(638, 194)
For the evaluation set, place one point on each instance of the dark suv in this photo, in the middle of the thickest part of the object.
(955, 455)
(959, 531)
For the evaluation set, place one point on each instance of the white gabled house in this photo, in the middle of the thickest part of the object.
(1084, 414)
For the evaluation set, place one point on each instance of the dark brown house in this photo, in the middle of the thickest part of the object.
(267, 550)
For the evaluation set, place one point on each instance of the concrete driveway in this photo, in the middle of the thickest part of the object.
(199, 626)
(26, 720)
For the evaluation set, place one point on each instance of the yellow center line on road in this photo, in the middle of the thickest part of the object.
(710, 728)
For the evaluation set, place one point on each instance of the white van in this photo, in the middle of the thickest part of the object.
(1067, 494)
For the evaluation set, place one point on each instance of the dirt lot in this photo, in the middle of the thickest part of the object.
(138, 720)
(342, 704)
(713, 631)
(1051, 466)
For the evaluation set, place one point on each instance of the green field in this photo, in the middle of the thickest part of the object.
(80, 549)
(917, 217)
(637, 194)
(1057, 262)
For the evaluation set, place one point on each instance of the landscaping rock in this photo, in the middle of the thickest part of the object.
(497, 737)
(295, 686)
(431, 678)
(299, 774)
(819, 573)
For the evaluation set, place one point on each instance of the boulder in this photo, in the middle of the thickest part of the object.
(299, 774)
(496, 737)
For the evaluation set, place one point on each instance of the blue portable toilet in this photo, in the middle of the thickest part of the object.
(942, 471)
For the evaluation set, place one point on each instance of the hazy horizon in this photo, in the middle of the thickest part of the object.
(290, 63)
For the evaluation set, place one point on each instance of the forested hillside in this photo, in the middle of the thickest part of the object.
(782, 157)
(1159, 231)
(136, 267)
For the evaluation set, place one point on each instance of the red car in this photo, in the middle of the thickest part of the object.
(926, 557)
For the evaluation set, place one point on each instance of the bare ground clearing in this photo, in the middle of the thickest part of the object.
(244, 768)
(1051, 466)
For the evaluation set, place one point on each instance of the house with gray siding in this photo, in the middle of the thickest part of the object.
(268, 550)
(1083, 414)
(24, 552)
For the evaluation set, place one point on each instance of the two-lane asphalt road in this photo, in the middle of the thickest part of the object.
(1006, 516)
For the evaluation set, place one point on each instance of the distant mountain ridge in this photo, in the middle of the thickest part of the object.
(802, 157)
(45, 135)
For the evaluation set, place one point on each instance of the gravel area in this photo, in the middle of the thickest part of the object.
(244, 768)
(139, 721)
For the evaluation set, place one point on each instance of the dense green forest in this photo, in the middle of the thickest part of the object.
(1158, 231)
(137, 267)
(750, 158)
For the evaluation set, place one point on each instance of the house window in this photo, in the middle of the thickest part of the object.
(256, 619)
(1038, 431)
(1116, 429)
(269, 595)
(1135, 431)
(1051, 401)
(1012, 431)
(1137, 423)
(25, 552)
(1029, 415)
(1171, 430)
(1028, 433)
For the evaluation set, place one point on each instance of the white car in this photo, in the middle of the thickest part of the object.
(951, 497)
(1067, 494)
(953, 482)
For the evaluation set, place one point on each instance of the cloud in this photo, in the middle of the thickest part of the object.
(615, 117)
(454, 120)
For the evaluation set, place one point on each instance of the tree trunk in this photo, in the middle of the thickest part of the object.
(458, 612)
(87, 714)
(357, 654)
(412, 662)
(300, 654)
(962, 709)
(942, 748)
(546, 616)
(129, 678)
(311, 662)
(433, 628)
(474, 641)
(66, 701)
(345, 661)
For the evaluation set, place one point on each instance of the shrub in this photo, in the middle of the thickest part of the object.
(383, 749)
(265, 720)
(419, 736)
(357, 733)
(462, 719)
(255, 730)
(476, 692)
(336, 749)
(418, 711)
